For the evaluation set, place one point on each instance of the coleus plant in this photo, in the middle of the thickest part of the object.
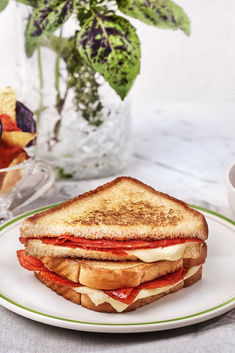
(103, 42)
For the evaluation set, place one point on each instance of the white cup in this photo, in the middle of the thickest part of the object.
(230, 184)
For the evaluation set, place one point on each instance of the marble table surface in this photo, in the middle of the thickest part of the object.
(180, 149)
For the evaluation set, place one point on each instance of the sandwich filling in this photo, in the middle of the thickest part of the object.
(120, 299)
(99, 297)
(147, 251)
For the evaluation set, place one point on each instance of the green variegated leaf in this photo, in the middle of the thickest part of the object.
(3, 4)
(45, 20)
(111, 46)
(160, 13)
(82, 4)
(30, 43)
(32, 3)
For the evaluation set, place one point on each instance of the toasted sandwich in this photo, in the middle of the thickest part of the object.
(116, 248)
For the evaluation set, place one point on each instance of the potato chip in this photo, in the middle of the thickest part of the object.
(7, 154)
(8, 102)
(24, 118)
(17, 138)
(8, 124)
(9, 179)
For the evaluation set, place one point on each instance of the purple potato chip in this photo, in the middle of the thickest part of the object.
(24, 118)
(0, 128)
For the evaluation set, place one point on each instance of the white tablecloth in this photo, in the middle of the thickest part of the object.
(184, 150)
(20, 335)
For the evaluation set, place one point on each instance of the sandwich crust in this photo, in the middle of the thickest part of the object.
(66, 292)
(106, 307)
(122, 209)
(190, 262)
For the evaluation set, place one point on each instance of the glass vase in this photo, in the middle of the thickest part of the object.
(78, 149)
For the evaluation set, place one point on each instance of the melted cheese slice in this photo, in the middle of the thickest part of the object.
(99, 297)
(170, 253)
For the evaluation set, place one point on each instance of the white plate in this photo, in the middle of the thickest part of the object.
(23, 294)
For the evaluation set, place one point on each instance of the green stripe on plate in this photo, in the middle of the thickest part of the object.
(106, 324)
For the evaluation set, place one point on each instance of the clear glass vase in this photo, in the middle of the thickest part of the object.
(77, 146)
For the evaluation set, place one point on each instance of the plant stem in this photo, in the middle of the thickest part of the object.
(59, 100)
(40, 74)
(57, 73)
(57, 69)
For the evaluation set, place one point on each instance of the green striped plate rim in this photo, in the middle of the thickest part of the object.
(107, 324)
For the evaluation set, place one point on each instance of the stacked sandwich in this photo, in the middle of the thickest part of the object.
(116, 248)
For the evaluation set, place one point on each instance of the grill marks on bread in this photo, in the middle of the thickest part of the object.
(132, 213)
(123, 209)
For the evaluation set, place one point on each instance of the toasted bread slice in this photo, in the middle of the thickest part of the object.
(123, 209)
(35, 247)
(86, 302)
(190, 262)
(112, 275)
(109, 275)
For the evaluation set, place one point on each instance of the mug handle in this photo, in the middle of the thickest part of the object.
(43, 186)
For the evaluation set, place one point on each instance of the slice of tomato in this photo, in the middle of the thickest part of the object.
(53, 277)
(67, 240)
(29, 262)
(32, 264)
(127, 295)
(109, 245)
(166, 280)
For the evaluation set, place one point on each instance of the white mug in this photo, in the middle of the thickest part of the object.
(230, 184)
